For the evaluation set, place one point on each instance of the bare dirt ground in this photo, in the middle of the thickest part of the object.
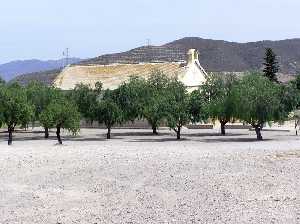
(140, 178)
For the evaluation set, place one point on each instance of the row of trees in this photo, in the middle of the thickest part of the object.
(254, 99)
(51, 107)
(159, 100)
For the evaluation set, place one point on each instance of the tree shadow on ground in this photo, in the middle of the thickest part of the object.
(124, 134)
(33, 138)
(53, 138)
(159, 140)
(213, 134)
(91, 139)
(220, 140)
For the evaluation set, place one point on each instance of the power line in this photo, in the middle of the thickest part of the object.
(148, 42)
(66, 57)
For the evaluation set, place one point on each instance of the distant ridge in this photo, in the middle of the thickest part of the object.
(12, 69)
(46, 77)
(215, 55)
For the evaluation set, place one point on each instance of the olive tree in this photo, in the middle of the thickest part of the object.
(196, 107)
(108, 111)
(257, 101)
(61, 113)
(154, 109)
(15, 108)
(40, 95)
(290, 101)
(289, 97)
(217, 92)
(177, 106)
(130, 98)
(85, 98)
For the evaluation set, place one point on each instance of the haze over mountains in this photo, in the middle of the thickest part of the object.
(215, 55)
(12, 69)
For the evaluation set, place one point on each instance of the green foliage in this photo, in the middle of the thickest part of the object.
(289, 101)
(154, 109)
(271, 66)
(61, 113)
(196, 107)
(14, 107)
(296, 82)
(130, 97)
(257, 100)
(2, 81)
(40, 95)
(177, 106)
(86, 98)
(108, 111)
(98, 88)
(217, 92)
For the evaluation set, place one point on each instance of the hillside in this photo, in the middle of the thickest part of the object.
(46, 77)
(215, 55)
(12, 69)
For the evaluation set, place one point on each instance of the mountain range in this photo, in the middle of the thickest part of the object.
(215, 56)
(12, 69)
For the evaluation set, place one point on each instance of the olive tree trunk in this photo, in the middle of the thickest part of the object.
(46, 132)
(154, 129)
(108, 135)
(10, 138)
(258, 132)
(58, 134)
(178, 132)
(223, 130)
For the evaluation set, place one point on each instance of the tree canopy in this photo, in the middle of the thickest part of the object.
(61, 113)
(154, 109)
(15, 108)
(108, 111)
(289, 101)
(130, 98)
(85, 98)
(177, 106)
(252, 98)
(257, 100)
(217, 92)
(40, 96)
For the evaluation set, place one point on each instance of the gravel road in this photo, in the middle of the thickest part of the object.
(140, 178)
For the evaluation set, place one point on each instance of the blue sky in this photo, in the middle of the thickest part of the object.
(43, 28)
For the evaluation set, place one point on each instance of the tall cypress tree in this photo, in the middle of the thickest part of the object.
(271, 65)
